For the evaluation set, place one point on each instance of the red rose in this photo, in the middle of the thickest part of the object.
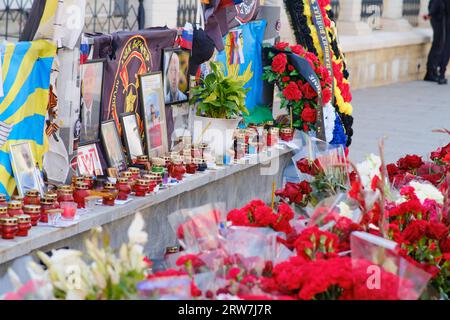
(285, 79)
(309, 115)
(292, 92)
(305, 187)
(410, 162)
(308, 91)
(279, 63)
(326, 96)
(436, 231)
(282, 45)
(304, 166)
(297, 49)
(305, 127)
(291, 68)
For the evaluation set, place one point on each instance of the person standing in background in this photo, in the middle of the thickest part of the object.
(445, 58)
(439, 16)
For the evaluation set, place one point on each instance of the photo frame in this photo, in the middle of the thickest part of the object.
(24, 169)
(88, 160)
(176, 75)
(153, 113)
(131, 135)
(91, 100)
(112, 145)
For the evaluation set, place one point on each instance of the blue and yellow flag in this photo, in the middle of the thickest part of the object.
(26, 70)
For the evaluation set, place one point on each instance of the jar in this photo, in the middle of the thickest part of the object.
(90, 181)
(23, 225)
(124, 188)
(170, 251)
(34, 212)
(191, 168)
(135, 173)
(54, 197)
(287, 134)
(196, 152)
(272, 137)
(201, 165)
(9, 228)
(76, 179)
(268, 125)
(143, 161)
(80, 193)
(65, 195)
(178, 170)
(32, 197)
(141, 187)
(126, 174)
(3, 201)
(153, 182)
(17, 198)
(111, 191)
(15, 208)
(159, 177)
(4, 212)
(46, 205)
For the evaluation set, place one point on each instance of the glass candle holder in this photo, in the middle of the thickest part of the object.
(287, 134)
(124, 188)
(46, 205)
(80, 193)
(32, 197)
(141, 187)
(65, 195)
(54, 197)
(111, 194)
(15, 208)
(3, 201)
(9, 228)
(34, 212)
(23, 225)
(3, 212)
(69, 210)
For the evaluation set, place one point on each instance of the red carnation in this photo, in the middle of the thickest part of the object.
(415, 231)
(410, 162)
(279, 63)
(292, 92)
(436, 231)
(326, 96)
(309, 115)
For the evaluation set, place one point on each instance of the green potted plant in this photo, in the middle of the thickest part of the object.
(220, 103)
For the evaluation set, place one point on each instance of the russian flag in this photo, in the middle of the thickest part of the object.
(187, 35)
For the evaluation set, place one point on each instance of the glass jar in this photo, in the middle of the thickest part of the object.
(9, 228)
(111, 194)
(272, 137)
(3, 201)
(153, 182)
(46, 205)
(17, 198)
(141, 187)
(89, 180)
(124, 188)
(201, 165)
(135, 173)
(80, 193)
(143, 161)
(178, 170)
(23, 225)
(32, 197)
(54, 197)
(4, 212)
(287, 134)
(15, 208)
(65, 195)
(34, 212)
(191, 168)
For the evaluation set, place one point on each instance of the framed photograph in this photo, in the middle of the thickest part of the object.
(176, 75)
(91, 99)
(24, 168)
(153, 112)
(113, 146)
(88, 160)
(131, 136)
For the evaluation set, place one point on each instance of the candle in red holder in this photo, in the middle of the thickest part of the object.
(34, 212)
(80, 193)
(110, 194)
(32, 197)
(124, 188)
(90, 181)
(153, 182)
(191, 167)
(4, 212)
(135, 175)
(46, 205)
(143, 161)
(15, 208)
(65, 195)
(54, 197)
(9, 228)
(3, 201)
(76, 179)
(141, 187)
(287, 134)
(24, 225)
(178, 170)
(272, 137)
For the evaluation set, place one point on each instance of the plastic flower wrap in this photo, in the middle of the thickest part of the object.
(409, 282)
(166, 288)
(198, 228)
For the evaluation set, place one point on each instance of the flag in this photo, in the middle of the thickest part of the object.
(26, 81)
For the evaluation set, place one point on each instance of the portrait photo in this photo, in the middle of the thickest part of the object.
(176, 79)
(91, 97)
(152, 96)
(113, 146)
(24, 168)
(88, 161)
(132, 136)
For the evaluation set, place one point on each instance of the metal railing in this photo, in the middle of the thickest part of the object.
(104, 16)
(186, 12)
(371, 12)
(335, 5)
(411, 10)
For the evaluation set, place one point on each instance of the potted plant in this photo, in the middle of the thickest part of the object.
(220, 102)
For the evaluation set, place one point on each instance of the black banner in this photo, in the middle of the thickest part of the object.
(319, 24)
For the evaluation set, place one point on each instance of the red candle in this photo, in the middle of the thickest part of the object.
(34, 212)
(80, 194)
(32, 197)
(287, 134)
(124, 188)
(69, 210)
(3, 201)
(141, 188)
(15, 208)
(46, 205)
(9, 228)
(110, 198)
(24, 225)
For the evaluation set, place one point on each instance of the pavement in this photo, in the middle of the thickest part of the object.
(405, 114)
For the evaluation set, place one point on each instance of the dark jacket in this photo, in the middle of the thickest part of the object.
(437, 8)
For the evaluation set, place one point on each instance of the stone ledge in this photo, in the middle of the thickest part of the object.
(41, 237)
(383, 39)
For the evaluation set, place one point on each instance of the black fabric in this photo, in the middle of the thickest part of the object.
(202, 50)
(33, 21)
